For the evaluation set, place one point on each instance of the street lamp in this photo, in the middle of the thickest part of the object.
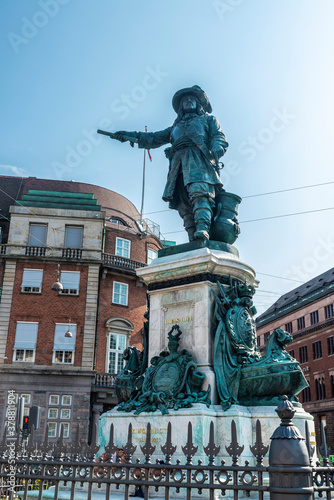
(68, 334)
(57, 286)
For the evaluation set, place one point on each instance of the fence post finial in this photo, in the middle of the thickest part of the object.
(289, 463)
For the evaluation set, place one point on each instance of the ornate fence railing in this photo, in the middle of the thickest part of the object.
(68, 471)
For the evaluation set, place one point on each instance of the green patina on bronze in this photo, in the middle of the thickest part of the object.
(172, 381)
(194, 187)
(243, 376)
(195, 245)
(130, 379)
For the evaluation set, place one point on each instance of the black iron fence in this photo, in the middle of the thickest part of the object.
(60, 470)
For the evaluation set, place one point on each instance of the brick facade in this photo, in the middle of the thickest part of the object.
(308, 314)
(47, 308)
(92, 310)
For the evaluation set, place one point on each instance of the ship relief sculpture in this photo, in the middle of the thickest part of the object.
(172, 381)
(243, 376)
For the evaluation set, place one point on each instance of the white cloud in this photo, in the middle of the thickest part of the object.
(15, 170)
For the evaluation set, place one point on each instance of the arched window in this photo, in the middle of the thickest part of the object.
(332, 384)
(306, 394)
(320, 388)
(118, 336)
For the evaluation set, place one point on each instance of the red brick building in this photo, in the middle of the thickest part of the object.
(307, 313)
(90, 238)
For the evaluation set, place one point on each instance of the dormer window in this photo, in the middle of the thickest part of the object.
(116, 220)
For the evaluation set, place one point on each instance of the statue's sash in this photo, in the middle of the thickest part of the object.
(198, 140)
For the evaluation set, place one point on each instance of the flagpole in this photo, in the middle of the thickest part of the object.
(143, 186)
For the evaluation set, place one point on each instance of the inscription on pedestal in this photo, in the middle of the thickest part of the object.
(179, 314)
(157, 434)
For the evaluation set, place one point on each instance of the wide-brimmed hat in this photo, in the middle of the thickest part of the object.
(196, 91)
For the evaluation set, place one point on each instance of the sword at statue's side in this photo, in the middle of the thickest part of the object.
(113, 135)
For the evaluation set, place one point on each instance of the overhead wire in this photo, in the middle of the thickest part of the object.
(241, 222)
(44, 245)
(249, 196)
(20, 204)
(31, 213)
(264, 194)
(272, 217)
(280, 277)
(287, 215)
(286, 190)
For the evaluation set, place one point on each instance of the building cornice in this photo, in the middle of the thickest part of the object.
(299, 303)
(27, 369)
(313, 328)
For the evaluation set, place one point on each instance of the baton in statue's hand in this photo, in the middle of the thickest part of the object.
(119, 136)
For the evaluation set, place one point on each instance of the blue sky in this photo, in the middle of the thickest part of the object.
(72, 66)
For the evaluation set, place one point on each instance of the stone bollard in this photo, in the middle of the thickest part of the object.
(290, 474)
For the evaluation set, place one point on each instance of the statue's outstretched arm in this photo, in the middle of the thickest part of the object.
(152, 140)
(145, 140)
(121, 136)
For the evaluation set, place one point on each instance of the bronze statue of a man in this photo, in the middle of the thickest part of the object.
(197, 143)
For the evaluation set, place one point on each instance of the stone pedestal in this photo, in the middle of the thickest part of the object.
(181, 284)
(200, 417)
(180, 287)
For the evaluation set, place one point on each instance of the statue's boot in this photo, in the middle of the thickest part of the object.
(189, 226)
(202, 218)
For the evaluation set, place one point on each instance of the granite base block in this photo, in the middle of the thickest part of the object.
(200, 418)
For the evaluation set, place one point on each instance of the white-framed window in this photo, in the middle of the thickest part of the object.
(65, 357)
(63, 347)
(32, 280)
(66, 427)
(120, 293)
(54, 399)
(151, 255)
(24, 355)
(52, 429)
(25, 341)
(59, 415)
(123, 247)
(26, 399)
(70, 281)
(27, 403)
(53, 413)
(66, 400)
(65, 413)
(73, 236)
(37, 235)
(116, 346)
